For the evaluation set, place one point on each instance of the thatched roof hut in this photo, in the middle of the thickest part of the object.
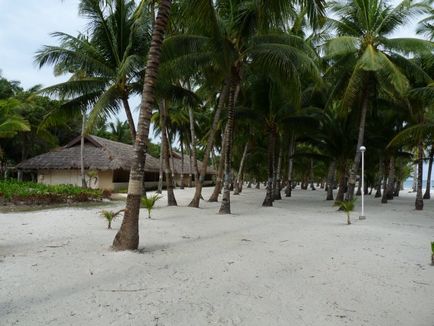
(112, 161)
(99, 154)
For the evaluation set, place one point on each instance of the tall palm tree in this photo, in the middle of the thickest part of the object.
(128, 235)
(106, 62)
(368, 59)
(222, 34)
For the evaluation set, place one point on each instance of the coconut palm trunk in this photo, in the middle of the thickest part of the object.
(385, 174)
(288, 190)
(341, 188)
(181, 180)
(225, 207)
(330, 180)
(397, 188)
(414, 184)
(238, 185)
(161, 171)
(209, 146)
(129, 117)
(380, 178)
(193, 147)
(357, 157)
(427, 194)
(311, 175)
(219, 180)
(168, 172)
(419, 198)
(127, 237)
(391, 179)
(83, 129)
(277, 182)
(190, 169)
(268, 201)
(172, 159)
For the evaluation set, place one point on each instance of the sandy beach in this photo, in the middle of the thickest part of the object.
(296, 263)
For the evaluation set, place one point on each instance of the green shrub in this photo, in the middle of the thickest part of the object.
(149, 202)
(347, 206)
(38, 193)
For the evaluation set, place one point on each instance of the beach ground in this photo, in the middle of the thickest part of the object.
(296, 263)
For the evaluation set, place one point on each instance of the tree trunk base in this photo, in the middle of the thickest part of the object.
(427, 195)
(418, 204)
(127, 237)
(225, 207)
(194, 202)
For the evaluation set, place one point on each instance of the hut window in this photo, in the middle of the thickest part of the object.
(121, 176)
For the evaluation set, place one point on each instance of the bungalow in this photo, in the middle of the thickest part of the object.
(107, 164)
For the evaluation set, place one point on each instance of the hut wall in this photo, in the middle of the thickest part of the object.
(105, 180)
(54, 177)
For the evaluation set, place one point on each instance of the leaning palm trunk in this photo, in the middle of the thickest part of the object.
(82, 172)
(357, 157)
(391, 179)
(238, 184)
(171, 201)
(209, 146)
(268, 201)
(128, 235)
(427, 194)
(129, 117)
(219, 180)
(419, 199)
(225, 207)
(330, 180)
(288, 190)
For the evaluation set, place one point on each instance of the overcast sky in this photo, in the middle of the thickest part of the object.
(25, 26)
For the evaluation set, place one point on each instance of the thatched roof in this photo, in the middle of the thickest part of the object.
(99, 154)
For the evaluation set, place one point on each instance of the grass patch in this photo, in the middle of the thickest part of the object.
(30, 193)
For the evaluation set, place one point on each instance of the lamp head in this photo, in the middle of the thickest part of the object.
(362, 148)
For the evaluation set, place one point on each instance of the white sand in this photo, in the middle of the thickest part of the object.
(297, 263)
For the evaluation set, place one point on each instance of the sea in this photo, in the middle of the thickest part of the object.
(409, 183)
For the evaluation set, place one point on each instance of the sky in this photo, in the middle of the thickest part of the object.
(25, 26)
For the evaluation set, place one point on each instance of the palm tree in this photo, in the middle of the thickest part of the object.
(107, 62)
(11, 122)
(223, 36)
(128, 235)
(368, 60)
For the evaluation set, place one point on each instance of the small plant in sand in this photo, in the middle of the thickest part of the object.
(432, 253)
(347, 206)
(149, 202)
(110, 216)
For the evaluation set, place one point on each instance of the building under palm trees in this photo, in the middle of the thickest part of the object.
(107, 164)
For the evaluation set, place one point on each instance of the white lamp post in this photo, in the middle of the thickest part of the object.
(362, 150)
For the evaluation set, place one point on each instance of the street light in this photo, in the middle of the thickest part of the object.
(362, 150)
